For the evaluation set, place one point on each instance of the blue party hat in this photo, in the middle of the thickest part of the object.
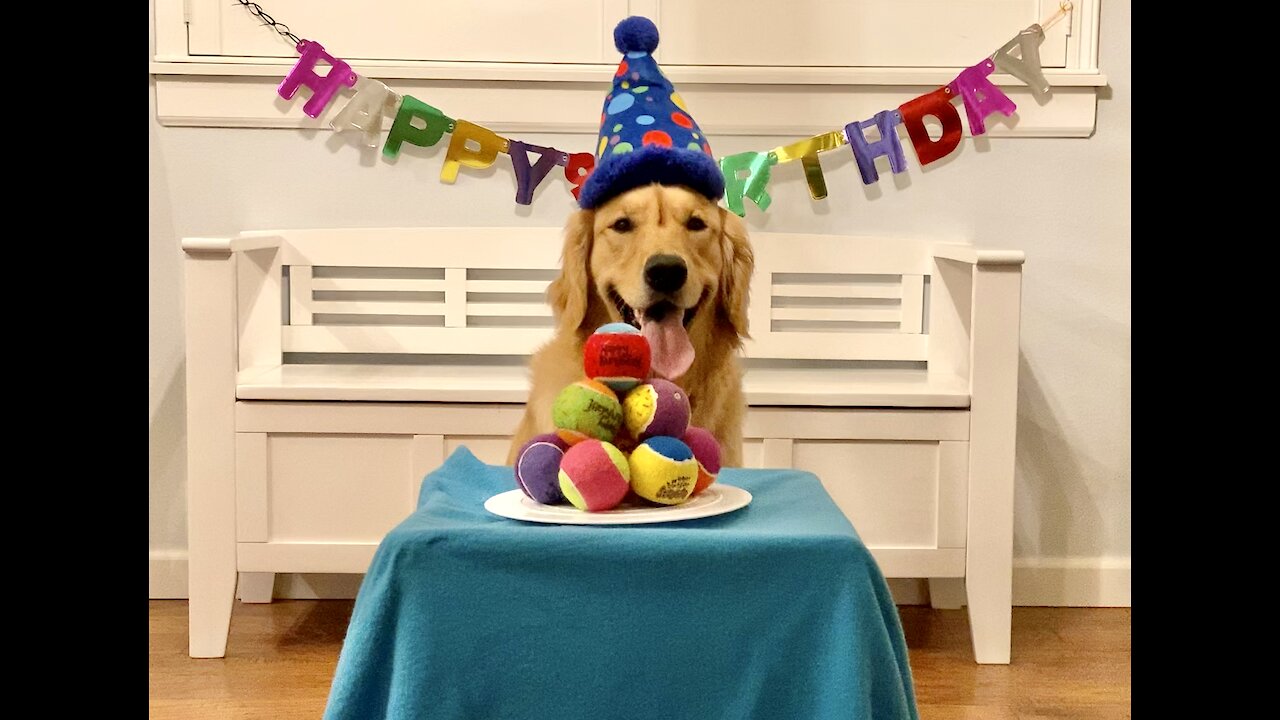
(646, 132)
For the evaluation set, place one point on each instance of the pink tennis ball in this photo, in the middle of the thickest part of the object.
(706, 450)
(537, 468)
(594, 476)
(658, 407)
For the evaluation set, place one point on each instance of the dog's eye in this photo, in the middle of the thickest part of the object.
(695, 224)
(621, 225)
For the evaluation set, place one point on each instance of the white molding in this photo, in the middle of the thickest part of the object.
(1049, 582)
(1072, 582)
(385, 70)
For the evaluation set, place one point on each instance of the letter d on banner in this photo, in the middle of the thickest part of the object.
(937, 104)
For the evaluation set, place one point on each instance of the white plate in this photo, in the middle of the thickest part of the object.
(715, 500)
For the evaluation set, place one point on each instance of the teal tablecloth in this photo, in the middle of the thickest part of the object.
(775, 611)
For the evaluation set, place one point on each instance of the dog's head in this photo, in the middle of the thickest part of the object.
(664, 259)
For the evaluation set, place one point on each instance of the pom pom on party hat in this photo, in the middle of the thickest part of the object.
(646, 132)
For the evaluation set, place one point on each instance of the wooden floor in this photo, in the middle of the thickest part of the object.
(1067, 663)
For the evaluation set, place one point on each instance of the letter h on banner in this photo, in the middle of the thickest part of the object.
(886, 122)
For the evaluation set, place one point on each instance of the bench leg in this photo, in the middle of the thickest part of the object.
(946, 593)
(210, 614)
(257, 587)
(993, 420)
(211, 449)
(990, 620)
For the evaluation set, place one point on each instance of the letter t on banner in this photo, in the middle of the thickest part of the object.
(886, 122)
(459, 154)
(322, 88)
(806, 151)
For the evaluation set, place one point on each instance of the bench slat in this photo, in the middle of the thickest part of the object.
(373, 307)
(377, 285)
(838, 290)
(845, 314)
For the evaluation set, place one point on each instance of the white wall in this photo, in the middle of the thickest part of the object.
(1063, 201)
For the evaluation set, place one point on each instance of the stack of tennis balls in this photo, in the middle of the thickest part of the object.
(618, 432)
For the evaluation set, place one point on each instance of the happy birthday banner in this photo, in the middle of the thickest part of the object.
(746, 175)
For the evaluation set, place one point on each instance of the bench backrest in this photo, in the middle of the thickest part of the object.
(481, 291)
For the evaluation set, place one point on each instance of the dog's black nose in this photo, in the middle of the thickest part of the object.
(665, 273)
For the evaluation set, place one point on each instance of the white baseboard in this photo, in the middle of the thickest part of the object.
(1072, 582)
(167, 574)
(1051, 582)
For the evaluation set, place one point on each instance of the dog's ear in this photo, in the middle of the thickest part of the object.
(735, 275)
(568, 293)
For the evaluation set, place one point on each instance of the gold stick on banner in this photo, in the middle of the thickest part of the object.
(806, 151)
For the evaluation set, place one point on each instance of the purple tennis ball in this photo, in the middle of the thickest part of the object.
(657, 407)
(538, 468)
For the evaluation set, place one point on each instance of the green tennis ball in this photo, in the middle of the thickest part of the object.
(587, 409)
(663, 470)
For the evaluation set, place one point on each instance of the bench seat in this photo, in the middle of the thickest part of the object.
(843, 387)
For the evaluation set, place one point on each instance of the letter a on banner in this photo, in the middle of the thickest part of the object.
(365, 110)
(981, 98)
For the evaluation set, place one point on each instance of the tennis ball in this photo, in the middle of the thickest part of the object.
(658, 407)
(538, 468)
(586, 409)
(617, 355)
(706, 450)
(663, 470)
(594, 476)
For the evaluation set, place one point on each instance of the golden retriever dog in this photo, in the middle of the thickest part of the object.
(676, 265)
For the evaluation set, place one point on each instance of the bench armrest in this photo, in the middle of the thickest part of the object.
(241, 243)
(979, 256)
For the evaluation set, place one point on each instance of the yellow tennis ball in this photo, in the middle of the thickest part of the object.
(663, 470)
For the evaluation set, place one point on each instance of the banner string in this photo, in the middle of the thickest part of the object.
(256, 10)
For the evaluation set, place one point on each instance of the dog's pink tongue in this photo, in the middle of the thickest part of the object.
(669, 347)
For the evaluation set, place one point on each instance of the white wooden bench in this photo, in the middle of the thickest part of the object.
(329, 370)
